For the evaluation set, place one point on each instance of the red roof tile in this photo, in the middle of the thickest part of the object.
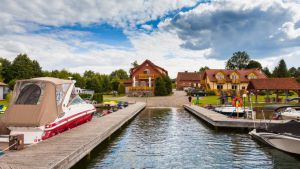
(160, 69)
(274, 84)
(189, 76)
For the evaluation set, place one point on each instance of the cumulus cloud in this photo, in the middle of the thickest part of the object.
(262, 28)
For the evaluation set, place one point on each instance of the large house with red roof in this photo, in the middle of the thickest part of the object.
(142, 79)
(188, 79)
(223, 79)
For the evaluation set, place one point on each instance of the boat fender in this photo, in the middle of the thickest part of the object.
(237, 102)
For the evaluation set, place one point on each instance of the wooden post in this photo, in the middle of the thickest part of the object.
(256, 101)
(276, 96)
(286, 95)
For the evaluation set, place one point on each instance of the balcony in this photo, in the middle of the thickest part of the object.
(202, 82)
(146, 76)
(140, 88)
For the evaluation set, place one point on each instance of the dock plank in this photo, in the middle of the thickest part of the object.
(66, 149)
(222, 121)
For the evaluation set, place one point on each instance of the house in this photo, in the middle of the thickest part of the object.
(188, 79)
(84, 91)
(223, 79)
(3, 90)
(142, 79)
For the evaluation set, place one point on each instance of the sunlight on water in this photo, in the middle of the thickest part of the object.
(171, 138)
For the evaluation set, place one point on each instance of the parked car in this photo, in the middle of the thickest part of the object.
(196, 92)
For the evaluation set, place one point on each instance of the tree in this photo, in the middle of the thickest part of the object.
(89, 74)
(239, 60)
(134, 64)
(168, 84)
(202, 69)
(80, 81)
(24, 68)
(160, 87)
(94, 84)
(253, 64)
(121, 89)
(119, 74)
(115, 84)
(281, 70)
(294, 72)
(267, 71)
(4, 70)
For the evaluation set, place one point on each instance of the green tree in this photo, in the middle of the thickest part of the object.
(168, 84)
(253, 64)
(160, 87)
(267, 71)
(89, 74)
(202, 69)
(134, 64)
(80, 81)
(94, 84)
(121, 89)
(24, 68)
(281, 70)
(4, 70)
(238, 60)
(115, 84)
(294, 72)
(119, 74)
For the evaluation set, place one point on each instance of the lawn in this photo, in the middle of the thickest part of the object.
(214, 100)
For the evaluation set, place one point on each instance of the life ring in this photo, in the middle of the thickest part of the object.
(237, 102)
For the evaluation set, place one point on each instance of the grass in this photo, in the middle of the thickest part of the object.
(214, 100)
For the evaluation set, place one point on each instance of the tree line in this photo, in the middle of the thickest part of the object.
(22, 67)
(241, 60)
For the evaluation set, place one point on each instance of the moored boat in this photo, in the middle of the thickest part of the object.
(43, 107)
(285, 137)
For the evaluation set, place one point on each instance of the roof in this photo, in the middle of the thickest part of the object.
(189, 76)
(160, 69)
(243, 73)
(53, 80)
(274, 84)
(2, 84)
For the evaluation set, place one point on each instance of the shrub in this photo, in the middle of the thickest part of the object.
(85, 96)
(210, 93)
(121, 89)
(160, 87)
(8, 97)
(168, 84)
(98, 97)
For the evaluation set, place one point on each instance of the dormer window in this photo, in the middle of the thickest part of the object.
(252, 76)
(220, 76)
(146, 71)
(234, 76)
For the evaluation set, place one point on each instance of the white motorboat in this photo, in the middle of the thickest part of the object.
(285, 137)
(230, 110)
(290, 113)
(43, 107)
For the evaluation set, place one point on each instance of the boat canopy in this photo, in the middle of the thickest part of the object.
(290, 128)
(36, 102)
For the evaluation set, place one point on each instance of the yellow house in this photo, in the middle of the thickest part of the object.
(223, 79)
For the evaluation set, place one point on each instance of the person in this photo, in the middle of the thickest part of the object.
(190, 99)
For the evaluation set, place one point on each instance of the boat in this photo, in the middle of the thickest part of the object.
(41, 108)
(232, 111)
(285, 136)
(288, 112)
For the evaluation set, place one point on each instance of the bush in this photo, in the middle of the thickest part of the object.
(98, 97)
(121, 89)
(168, 84)
(160, 87)
(8, 97)
(210, 93)
(85, 96)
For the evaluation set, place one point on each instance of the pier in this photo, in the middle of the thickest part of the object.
(66, 149)
(218, 120)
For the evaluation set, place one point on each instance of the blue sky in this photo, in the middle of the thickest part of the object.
(178, 35)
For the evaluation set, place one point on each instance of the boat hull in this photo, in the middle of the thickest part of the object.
(36, 134)
(282, 142)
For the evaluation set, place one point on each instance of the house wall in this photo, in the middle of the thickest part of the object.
(183, 83)
(226, 86)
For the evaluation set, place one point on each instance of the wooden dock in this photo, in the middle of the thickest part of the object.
(66, 149)
(221, 121)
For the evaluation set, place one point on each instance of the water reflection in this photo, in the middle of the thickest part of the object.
(171, 138)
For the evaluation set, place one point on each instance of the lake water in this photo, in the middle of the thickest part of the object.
(173, 138)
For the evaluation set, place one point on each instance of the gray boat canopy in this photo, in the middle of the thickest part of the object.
(36, 102)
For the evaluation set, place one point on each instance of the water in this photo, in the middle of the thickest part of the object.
(173, 138)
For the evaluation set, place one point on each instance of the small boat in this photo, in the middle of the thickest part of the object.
(285, 137)
(288, 112)
(44, 107)
(232, 111)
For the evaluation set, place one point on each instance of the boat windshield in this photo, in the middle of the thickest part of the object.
(29, 95)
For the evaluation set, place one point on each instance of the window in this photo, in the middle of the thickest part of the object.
(76, 100)
(219, 87)
(220, 76)
(146, 71)
(234, 76)
(251, 76)
(234, 87)
(29, 95)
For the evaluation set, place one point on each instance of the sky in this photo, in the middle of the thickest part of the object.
(178, 35)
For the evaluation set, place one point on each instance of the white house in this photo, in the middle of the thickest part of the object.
(3, 90)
